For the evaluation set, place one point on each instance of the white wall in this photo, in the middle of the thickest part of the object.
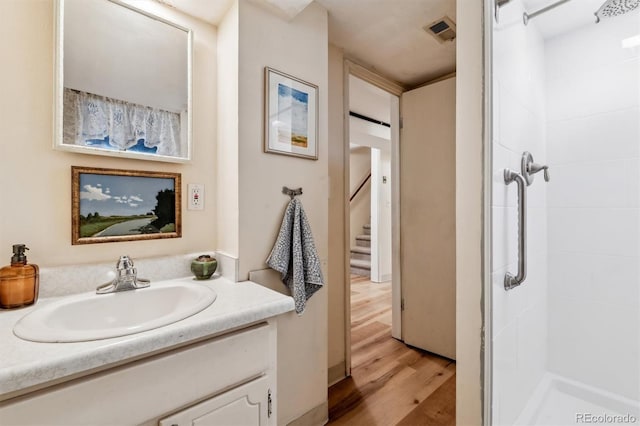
(519, 315)
(593, 94)
(362, 132)
(369, 100)
(298, 47)
(381, 215)
(262, 175)
(469, 143)
(360, 207)
(36, 189)
(227, 206)
(337, 276)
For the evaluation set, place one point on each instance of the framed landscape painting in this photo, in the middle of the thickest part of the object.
(122, 205)
(291, 115)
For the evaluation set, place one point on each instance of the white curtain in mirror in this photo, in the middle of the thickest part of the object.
(90, 120)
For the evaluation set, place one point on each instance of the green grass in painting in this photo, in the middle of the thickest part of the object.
(93, 227)
(169, 227)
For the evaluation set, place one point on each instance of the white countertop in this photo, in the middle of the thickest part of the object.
(30, 365)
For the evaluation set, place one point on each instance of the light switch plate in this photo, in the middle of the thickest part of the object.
(195, 193)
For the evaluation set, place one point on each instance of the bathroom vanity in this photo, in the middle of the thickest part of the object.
(215, 367)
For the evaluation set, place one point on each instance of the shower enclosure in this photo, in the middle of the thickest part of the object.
(563, 318)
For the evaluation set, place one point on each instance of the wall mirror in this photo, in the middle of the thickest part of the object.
(123, 82)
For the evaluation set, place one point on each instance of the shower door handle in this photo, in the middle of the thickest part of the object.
(511, 281)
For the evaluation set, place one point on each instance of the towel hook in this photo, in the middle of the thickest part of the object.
(291, 192)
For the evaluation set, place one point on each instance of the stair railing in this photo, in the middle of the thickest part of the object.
(362, 184)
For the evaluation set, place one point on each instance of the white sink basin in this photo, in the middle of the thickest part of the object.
(100, 316)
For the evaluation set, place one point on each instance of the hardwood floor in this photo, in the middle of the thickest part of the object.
(391, 383)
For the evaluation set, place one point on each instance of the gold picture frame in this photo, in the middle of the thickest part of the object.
(110, 205)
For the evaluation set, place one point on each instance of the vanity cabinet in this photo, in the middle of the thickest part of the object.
(229, 379)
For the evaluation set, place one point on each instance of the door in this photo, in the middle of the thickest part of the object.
(246, 405)
(427, 217)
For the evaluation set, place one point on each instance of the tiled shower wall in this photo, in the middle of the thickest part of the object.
(519, 315)
(593, 145)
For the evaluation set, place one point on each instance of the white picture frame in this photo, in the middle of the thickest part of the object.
(94, 68)
(291, 116)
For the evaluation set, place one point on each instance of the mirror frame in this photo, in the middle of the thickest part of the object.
(58, 109)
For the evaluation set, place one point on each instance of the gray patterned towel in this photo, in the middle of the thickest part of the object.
(294, 256)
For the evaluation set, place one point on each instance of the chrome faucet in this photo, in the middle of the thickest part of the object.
(125, 279)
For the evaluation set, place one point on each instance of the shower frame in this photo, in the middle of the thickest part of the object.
(490, 12)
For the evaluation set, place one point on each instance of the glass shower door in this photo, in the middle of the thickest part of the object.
(565, 337)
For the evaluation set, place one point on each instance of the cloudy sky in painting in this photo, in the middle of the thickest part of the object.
(119, 195)
(293, 106)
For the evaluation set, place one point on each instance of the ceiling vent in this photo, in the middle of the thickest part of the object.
(442, 30)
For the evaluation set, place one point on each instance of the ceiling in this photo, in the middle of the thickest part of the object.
(386, 36)
(565, 17)
(211, 11)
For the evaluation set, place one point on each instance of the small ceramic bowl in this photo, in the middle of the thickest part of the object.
(204, 266)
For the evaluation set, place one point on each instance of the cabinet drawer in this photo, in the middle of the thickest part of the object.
(147, 388)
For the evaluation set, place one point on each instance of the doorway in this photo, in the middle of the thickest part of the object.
(390, 381)
(377, 337)
(422, 251)
(370, 181)
(373, 208)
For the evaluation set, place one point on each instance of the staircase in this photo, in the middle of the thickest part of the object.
(361, 253)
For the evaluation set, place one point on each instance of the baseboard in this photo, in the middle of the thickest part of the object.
(317, 416)
(336, 373)
(386, 277)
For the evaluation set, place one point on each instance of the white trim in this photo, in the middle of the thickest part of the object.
(336, 373)
(396, 272)
(395, 89)
(58, 94)
(317, 416)
(347, 218)
(435, 80)
(375, 215)
(386, 277)
(229, 266)
(383, 83)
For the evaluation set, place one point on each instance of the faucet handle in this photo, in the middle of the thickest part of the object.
(124, 263)
(530, 168)
(125, 268)
(535, 168)
(125, 279)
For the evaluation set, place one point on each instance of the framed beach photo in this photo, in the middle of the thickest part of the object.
(122, 205)
(291, 115)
